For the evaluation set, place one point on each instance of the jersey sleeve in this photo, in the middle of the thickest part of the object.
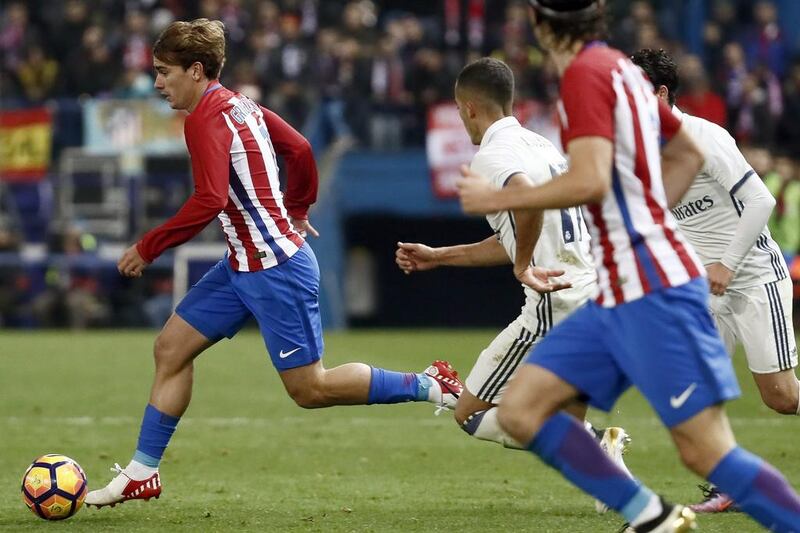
(670, 124)
(302, 179)
(588, 99)
(209, 145)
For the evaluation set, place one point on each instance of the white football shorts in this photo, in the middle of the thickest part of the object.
(760, 318)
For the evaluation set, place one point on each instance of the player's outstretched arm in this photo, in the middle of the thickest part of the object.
(681, 160)
(416, 257)
(587, 180)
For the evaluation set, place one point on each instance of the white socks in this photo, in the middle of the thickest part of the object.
(138, 471)
(651, 511)
(483, 425)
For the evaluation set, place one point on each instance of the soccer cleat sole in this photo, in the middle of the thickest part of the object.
(99, 506)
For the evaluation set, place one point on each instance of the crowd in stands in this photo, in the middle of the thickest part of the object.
(364, 72)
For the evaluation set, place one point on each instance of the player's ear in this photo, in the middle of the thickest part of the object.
(663, 93)
(197, 71)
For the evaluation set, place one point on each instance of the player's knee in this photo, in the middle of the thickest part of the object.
(167, 354)
(783, 401)
(307, 395)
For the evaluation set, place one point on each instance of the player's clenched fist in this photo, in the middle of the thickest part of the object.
(476, 193)
(413, 257)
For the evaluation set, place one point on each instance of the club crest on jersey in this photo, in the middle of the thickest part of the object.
(245, 107)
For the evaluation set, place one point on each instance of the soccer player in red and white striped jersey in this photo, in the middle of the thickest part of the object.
(649, 325)
(269, 271)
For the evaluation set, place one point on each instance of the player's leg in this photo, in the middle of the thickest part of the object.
(764, 324)
(708, 448)
(780, 391)
(494, 369)
(572, 362)
(211, 310)
(488, 380)
(686, 374)
(284, 300)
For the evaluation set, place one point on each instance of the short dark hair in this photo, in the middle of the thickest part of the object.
(572, 20)
(660, 68)
(491, 78)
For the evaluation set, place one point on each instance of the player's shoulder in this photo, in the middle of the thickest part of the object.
(597, 60)
(709, 135)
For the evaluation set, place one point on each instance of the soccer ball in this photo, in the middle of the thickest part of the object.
(54, 487)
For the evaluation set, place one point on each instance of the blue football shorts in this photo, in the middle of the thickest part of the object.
(665, 344)
(283, 299)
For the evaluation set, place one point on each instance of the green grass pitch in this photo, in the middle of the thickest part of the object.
(245, 458)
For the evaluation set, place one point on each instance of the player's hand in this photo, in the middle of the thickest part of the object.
(538, 279)
(303, 227)
(476, 193)
(415, 257)
(719, 276)
(131, 263)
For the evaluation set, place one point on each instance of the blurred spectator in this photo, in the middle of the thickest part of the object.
(789, 125)
(289, 72)
(696, 96)
(92, 68)
(37, 75)
(15, 34)
(390, 97)
(784, 184)
(66, 34)
(763, 41)
(73, 296)
(137, 54)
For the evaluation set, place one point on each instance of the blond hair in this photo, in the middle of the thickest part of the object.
(198, 41)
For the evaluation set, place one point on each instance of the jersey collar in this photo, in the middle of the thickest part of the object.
(677, 112)
(496, 126)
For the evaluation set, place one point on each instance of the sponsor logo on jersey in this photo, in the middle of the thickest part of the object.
(692, 207)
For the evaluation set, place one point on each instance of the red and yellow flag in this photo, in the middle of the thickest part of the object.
(25, 144)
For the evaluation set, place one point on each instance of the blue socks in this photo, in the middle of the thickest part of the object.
(564, 444)
(758, 489)
(395, 387)
(157, 428)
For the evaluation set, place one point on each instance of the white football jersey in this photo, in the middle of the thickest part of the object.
(709, 212)
(507, 149)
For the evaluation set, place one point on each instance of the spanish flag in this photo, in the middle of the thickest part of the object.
(25, 144)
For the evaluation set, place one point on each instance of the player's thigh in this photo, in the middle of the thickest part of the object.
(670, 349)
(779, 390)
(723, 311)
(212, 306)
(496, 364)
(577, 351)
(285, 302)
(765, 327)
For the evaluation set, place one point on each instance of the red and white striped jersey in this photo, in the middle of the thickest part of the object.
(233, 143)
(636, 245)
